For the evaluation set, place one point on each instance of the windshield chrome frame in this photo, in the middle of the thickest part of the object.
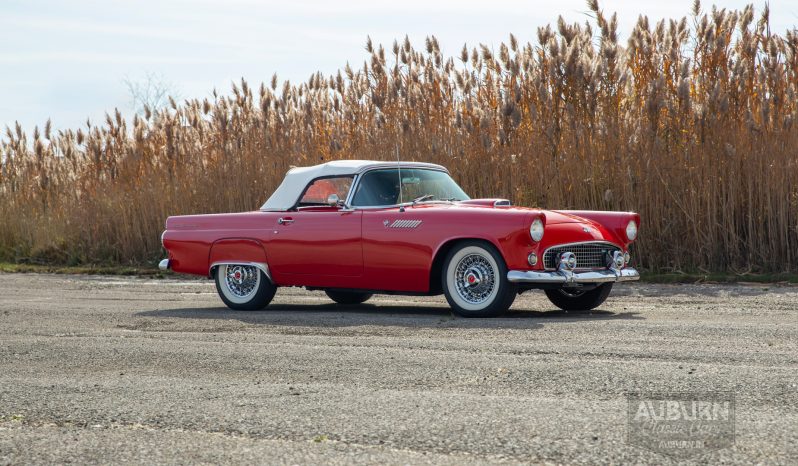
(356, 183)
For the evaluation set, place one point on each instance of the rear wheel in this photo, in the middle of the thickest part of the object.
(244, 287)
(576, 300)
(348, 297)
(475, 280)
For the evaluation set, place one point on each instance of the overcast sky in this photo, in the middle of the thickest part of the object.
(67, 60)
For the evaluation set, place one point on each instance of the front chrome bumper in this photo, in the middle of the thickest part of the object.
(566, 278)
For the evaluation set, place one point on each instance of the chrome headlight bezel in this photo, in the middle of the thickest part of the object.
(536, 230)
(631, 230)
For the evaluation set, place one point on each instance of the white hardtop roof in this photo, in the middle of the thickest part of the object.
(287, 194)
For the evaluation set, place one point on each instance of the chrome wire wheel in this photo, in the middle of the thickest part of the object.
(241, 282)
(475, 279)
(244, 287)
(474, 282)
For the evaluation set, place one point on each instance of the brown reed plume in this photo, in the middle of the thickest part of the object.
(691, 122)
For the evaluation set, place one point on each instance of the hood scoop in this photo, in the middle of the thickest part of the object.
(487, 202)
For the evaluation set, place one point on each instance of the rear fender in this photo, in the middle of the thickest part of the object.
(240, 251)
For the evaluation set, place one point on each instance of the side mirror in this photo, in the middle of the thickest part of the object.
(334, 201)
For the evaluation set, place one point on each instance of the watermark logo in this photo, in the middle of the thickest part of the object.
(681, 424)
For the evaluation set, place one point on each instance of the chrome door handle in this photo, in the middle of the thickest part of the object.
(285, 221)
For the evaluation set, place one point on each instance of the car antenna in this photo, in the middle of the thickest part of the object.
(399, 170)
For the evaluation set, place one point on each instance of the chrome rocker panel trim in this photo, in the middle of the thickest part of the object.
(264, 267)
(566, 278)
(164, 264)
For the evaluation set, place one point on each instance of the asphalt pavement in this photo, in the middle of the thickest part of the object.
(99, 370)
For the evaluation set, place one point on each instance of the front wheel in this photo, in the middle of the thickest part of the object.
(574, 300)
(244, 287)
(475, 281)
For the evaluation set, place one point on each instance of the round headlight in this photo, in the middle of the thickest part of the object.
(532, 258)
(631, 230)
(536, 230)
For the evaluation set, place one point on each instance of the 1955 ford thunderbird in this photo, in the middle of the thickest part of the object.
(355, 228)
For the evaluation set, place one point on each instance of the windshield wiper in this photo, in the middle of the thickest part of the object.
(423, 198)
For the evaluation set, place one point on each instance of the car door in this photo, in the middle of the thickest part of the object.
(317, 244)
(397, 249)
(397, 245)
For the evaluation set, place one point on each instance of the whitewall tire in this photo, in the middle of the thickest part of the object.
(475, 280)
(243, 287)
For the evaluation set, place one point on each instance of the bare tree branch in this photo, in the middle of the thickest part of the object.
(151, 93)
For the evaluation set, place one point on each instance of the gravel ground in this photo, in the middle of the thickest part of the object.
(112, 370)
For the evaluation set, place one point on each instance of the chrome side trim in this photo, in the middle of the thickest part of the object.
(405, 224)
(573, 278)
(164, 264)
(261, 265)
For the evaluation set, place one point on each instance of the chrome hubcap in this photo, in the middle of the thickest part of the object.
(475, 279)
(241, 280)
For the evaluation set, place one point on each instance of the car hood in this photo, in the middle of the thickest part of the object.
(553, 217)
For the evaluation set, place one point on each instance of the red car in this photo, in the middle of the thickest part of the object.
(355, 228)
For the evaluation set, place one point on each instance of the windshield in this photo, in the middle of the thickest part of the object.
(381, 187)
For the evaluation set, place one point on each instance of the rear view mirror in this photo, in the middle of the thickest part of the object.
(334, 201)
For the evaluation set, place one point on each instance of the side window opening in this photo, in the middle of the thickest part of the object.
(319, 190)
(377, 188)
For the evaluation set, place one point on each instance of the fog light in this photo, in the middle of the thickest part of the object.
(567, 261)
(627, 257)
(532, 258)
(617, 259)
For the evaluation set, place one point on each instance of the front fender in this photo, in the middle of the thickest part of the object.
(615, 222)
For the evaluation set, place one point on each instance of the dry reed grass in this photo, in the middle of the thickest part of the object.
(691, 123)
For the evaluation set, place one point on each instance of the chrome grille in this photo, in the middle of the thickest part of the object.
(588, 255)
